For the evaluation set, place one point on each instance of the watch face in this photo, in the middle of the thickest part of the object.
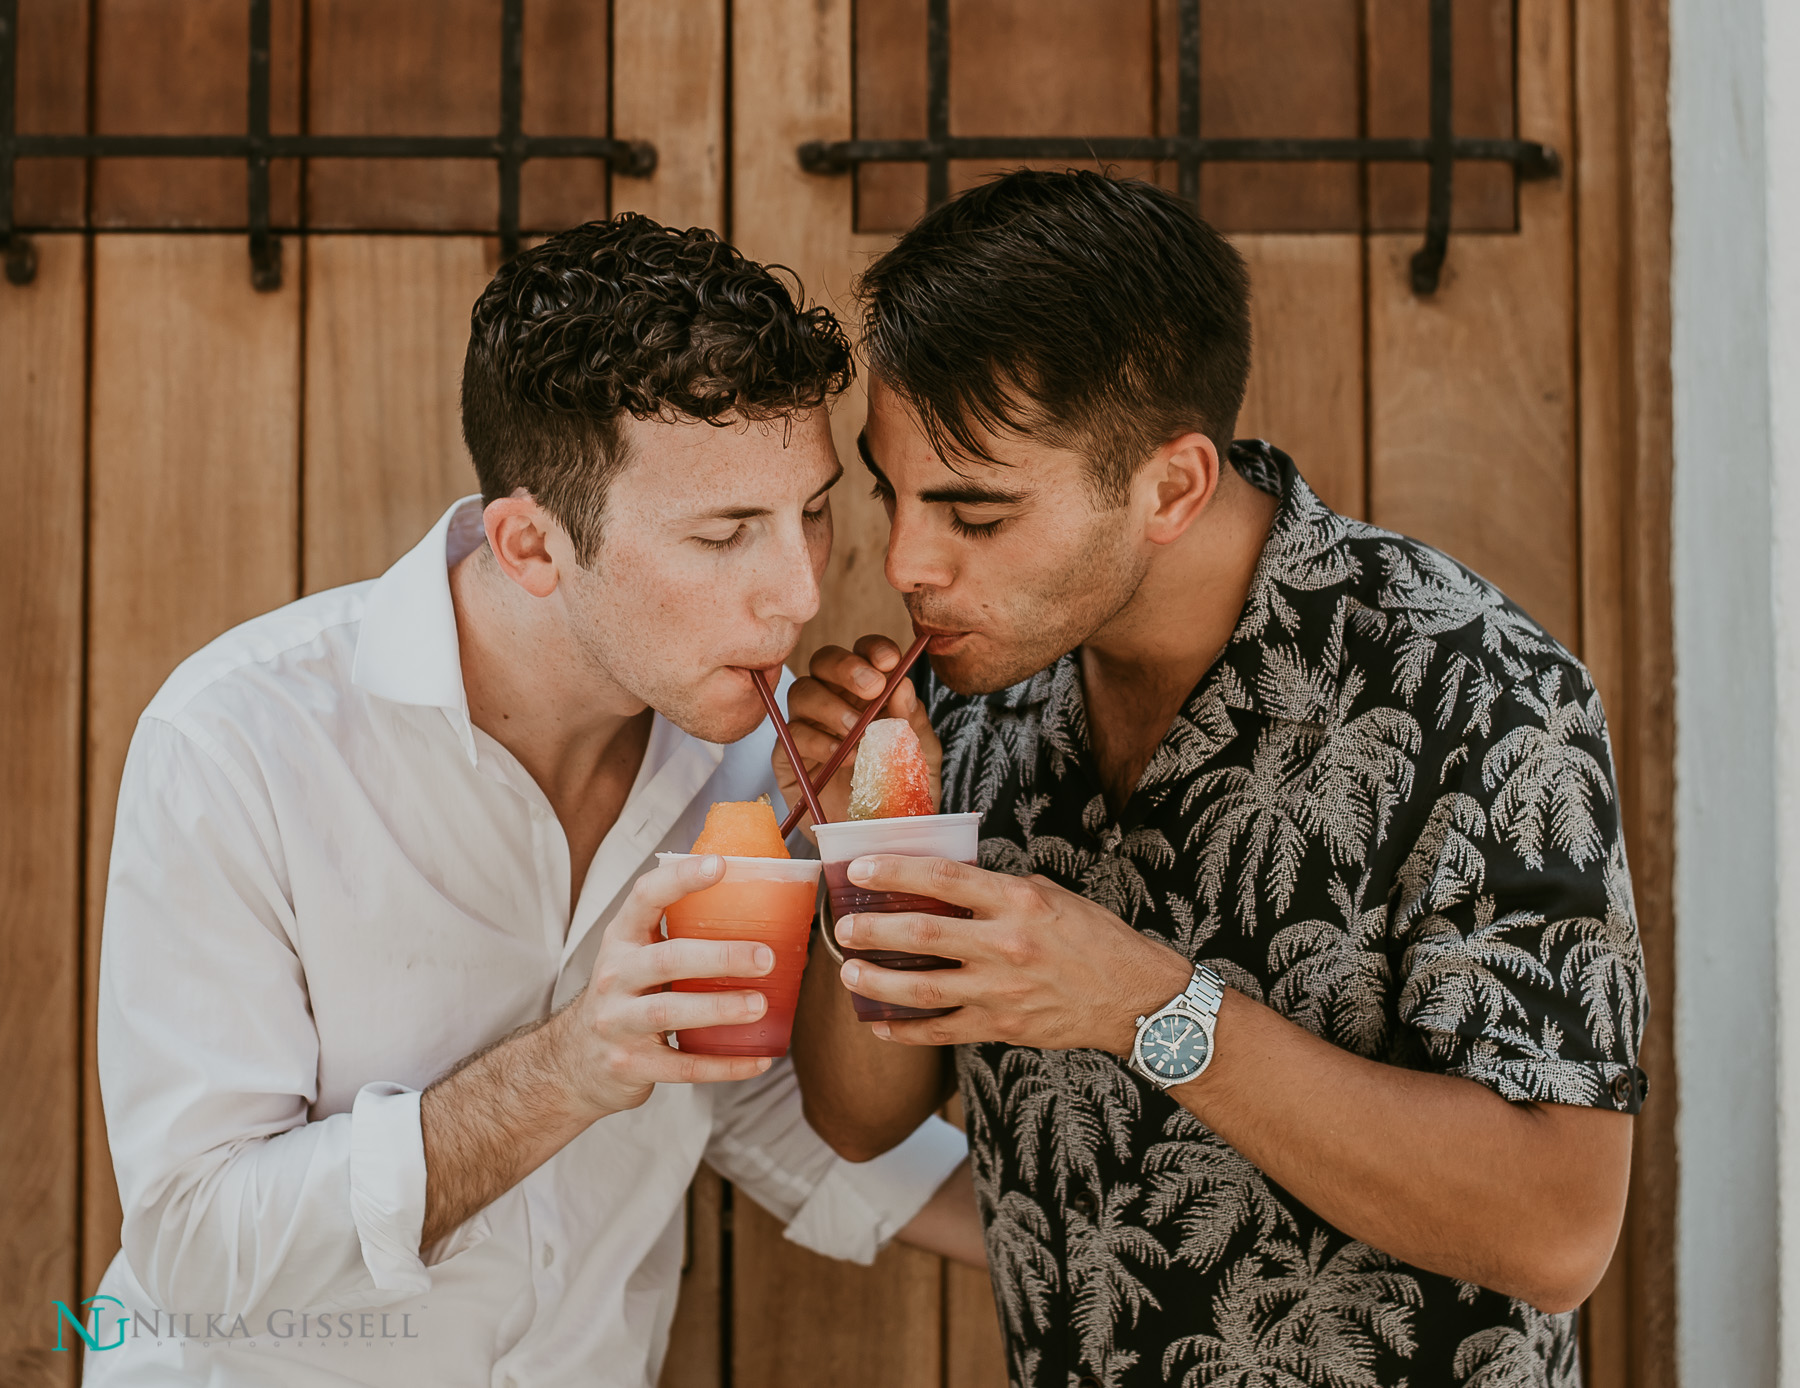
(1175, 1047)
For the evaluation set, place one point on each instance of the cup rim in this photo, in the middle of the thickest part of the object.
(960, 817)
(786, 869)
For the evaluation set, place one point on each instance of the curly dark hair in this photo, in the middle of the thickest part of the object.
(628, 316)
(1098, 314)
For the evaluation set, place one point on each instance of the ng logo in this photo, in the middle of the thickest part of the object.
(91, 1338)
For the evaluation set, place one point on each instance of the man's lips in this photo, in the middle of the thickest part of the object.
(942, 638)
(770, 672)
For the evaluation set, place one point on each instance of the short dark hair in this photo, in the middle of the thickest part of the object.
(629, 317)
(1099, 314)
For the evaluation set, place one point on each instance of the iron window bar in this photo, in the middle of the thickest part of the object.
(1189, 149)
(509, 149)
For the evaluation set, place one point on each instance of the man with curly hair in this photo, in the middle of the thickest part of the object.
(383, 1024)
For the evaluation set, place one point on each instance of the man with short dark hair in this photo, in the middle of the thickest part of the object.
(1297, 1017)
(383, 1029)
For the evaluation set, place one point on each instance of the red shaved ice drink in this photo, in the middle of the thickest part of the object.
(891, 779)
(891, 812)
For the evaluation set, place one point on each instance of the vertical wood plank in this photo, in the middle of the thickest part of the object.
(395, 67)
(162, 69)
(1647, 764)
(974, 1348)
(1050, 67)
(51, 99)
(565, 74)
(1399, 104)
(890, 105)
(696, 1342)
(1306, 375)
(1601, 299)
(1288, 69)
(799, 1318)
(1473, 389)
(678, 106)
(42, 375)
(193, 527)
(791, 83)
(387, 323)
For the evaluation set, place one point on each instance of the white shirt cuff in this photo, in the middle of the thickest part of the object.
(387, 1185)
(859, 1206)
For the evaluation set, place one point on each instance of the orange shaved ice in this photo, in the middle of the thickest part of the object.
(742, 829)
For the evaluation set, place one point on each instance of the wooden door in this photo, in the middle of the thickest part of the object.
(185, 450)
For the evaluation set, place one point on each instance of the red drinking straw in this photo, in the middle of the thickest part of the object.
(787, 741)
(836, 759)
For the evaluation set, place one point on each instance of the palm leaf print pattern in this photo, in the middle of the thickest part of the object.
(1388, 812)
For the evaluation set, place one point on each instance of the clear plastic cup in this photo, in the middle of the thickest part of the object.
(952, 836)
(770, 901)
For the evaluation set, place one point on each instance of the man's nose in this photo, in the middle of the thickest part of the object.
(790, 590)
(916, 557)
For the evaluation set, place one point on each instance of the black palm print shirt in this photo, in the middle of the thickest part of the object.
(1388, 812)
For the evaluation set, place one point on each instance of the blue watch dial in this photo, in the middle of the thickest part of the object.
(1175, 1047)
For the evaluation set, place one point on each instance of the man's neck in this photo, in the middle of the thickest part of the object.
(1139, 669)
(537, 694)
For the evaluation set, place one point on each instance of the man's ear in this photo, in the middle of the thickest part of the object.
(518, 532)
(1184, 474)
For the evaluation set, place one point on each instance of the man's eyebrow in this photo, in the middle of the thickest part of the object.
(752, 512)
(837, 475)
(964, 493)
(868, 458)
(971, 494)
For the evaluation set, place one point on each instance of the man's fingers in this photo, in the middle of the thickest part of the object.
(684, 1067)
(953, 1029)
(815, 746)
(823, 706)
(880, 652)
(911, 932)
(659, 889)
(904, 987)
(851, 672)
(987, 894)
(669, 960)
(656, 1013)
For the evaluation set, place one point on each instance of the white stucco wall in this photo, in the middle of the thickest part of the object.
(1781, 73)
(1728, 1287)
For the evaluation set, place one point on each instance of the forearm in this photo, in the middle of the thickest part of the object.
(494, 1120)
(950, 1222)
(1434, 1170)
(861, 1094)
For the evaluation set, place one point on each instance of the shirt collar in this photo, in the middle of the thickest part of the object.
(1296, 598)
(407, 650)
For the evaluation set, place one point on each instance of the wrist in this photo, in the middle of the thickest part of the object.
(568, 1054)
(1162, 977)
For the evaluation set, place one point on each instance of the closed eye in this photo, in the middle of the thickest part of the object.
(975, 530)
(731, 541)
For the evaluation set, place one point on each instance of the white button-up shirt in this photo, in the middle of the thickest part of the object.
(327, 887)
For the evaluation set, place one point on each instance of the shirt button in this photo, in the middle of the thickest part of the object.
(549, 1255)
(1089, 1381)
(1083, 1205)
(1623, 1087)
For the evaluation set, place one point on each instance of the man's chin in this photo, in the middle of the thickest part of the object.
(983, 668)
(720, 716)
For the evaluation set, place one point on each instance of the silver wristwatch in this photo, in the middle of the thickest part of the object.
(1175, 1043)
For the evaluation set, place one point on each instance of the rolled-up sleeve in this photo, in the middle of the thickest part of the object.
(208, 1062)
(762, 1142)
